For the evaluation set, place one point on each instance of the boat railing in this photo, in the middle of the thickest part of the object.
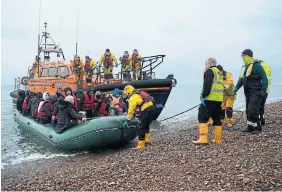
(148, 64)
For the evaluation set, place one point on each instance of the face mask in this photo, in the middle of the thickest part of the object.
(108, 53)
(247, 59)
(126, 54)
(135, 52)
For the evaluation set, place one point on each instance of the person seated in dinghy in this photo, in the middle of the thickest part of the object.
(68, 91)
(98, 103)
(55, 115)
(20, 100)
(46, 108)
(34, 105)
(105, 105)
(67, 115)
(88, 102)
(26, 104)
(115, 100)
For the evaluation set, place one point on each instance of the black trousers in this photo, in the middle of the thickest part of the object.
(146, 117)
(210, 109)
(262, 104)
(253, 99)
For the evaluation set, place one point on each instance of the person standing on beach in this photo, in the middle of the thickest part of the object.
(267, 71)
(228, 96)
(143, 103)
(254, 80)
(211, 99)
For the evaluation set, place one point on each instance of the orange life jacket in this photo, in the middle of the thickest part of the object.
(125, 60)
(135, 59)
(115, 103)
(76, 63)
(108, 61)
(42, 114)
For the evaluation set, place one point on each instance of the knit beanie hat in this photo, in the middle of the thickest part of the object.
(69, 99)
(248, 52)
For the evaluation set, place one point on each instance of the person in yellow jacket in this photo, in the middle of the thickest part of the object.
(143, 102)
(267, 70)
(126, 64)
(228, 96)
(211, 99)
(108, 59)
(89, 67)
(77, 68)
(136, 64)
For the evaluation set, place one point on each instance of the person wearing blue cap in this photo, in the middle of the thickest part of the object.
(116, 103)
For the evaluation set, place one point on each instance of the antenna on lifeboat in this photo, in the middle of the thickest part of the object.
(38, 44)
(77, 27)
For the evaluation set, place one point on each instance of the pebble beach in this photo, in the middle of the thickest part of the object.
(242, 162)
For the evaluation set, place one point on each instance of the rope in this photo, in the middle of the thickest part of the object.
(180, 113)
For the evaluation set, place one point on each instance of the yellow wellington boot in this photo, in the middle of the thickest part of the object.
(203, 132)
(217, 134)
(147, 138)
(230, 122)
(141, 144)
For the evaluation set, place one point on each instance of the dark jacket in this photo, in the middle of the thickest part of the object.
(208, 81)
(34, 104)
(256, 81)
(20, 100)
(56, 109)
(67, 116)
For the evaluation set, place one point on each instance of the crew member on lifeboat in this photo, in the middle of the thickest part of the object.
(34, 67)
(107, 59)
(77, 68)
(145, 103)
(126, 63)
(89, 67)
(136, 64)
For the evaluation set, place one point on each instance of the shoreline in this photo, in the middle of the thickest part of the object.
(172, 162)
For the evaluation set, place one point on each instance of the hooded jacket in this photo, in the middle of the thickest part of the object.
(20, 100)
(67, 115)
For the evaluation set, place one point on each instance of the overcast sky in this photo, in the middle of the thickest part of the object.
(187, 31)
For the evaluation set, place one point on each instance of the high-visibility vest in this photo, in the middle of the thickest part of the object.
(216, 93)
